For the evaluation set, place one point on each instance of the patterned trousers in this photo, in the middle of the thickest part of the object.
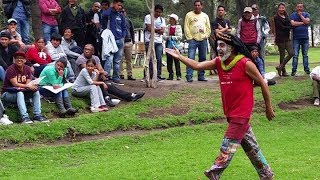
(252, 150)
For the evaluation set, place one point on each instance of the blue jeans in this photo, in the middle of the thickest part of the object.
(158, 48)
(2, 73)
(20, 98)
(48, 30)
(202, 52)
(23, 28)
(114, 60)
(304, 43)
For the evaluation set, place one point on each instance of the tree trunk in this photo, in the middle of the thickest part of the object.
(35, 19)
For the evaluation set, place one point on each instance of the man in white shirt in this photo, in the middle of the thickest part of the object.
(159, 25)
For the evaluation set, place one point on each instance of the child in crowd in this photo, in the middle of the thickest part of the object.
(87, 83)
(37, 56)
(55, 76)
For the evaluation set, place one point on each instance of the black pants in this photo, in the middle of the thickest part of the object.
(114, 91)
(170, 61)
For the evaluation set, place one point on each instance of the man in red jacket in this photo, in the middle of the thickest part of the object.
(236, 74)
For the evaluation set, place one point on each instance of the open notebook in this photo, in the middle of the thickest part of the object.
(65, 86)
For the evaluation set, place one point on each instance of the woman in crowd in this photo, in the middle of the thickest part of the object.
(37, 56)
(55, 76)
(87, 83)
(283, 40)
(172, 35)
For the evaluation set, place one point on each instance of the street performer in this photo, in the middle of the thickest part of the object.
(237, 75)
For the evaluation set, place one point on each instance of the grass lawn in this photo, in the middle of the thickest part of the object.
(185, 147)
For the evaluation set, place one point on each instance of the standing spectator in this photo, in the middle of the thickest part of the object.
(159, 26)
(315, 77)
(197, 31)
(56, 52)
(300, 21)
(20, 11)
(93, 25)
(172, 35)
(283, 39)
(127, 50)
(38, 56)
(55, 76)
(73, 16)
(264, 28)
(249, 30)
(6, 53)
(115, 21)
(49, 10)
(15, 37)
(17, 89)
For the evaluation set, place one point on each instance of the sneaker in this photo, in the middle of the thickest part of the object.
(189, 79)
(109, 101)
(26, 120)
(178, 78)
(40, 118)
(117, 82)
(211, 175)
(143, 80)
(293, 73)
(161, 78)
(202, 79)
(136, 96)
(96, 109)
(5, 120)
(316, 102)
(279, 70)
(307, 71)
(121, 76)
(131, 78)
(104, 108)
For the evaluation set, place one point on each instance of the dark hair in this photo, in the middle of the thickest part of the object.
(158, 6)
(116, 1)
(91, 61)
(105, 2)
(221, 6)
(66, 28)
(197, 1)
(63, 60)
(56, 36)
(37, 39)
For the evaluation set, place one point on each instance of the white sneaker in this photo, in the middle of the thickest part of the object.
(316, 102)
(94, 109)
(5, 120)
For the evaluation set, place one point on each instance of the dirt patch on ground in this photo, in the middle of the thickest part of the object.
(298, 104)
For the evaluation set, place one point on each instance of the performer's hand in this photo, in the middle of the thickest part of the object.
(270, 113)
(173, 52)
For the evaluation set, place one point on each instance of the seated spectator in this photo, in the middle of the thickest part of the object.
(6, 53)
(15, 37)
(87, 83)
(112, 89)
(55, 50)
(315, 76)
(38, 56)
(17, 89)
(55, 76)
(70, 47)
(4, 120)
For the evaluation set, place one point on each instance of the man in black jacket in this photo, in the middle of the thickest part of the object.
(20, 11)
(6, 53)
(73, 17)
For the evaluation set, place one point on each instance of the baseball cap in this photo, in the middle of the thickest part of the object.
(19, 53)
(247, 9)
(11, 20)
(5, 34)
(255, 6)
(174, 16)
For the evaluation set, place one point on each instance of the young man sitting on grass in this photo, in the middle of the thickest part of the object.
(17, 88)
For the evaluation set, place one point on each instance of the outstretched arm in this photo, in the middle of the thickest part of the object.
(205, 65)
(253, 72)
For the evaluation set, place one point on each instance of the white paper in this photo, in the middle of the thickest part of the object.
(65, 86)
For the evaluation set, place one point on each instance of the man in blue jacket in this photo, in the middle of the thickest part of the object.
(114, 20)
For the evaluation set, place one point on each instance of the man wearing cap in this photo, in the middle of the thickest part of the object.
(15, 37)
(236, 74)
(300, 21)
(249, 30)
(20, 11)
(17, 88)
(6, 53)
(197, 30)
(172, 35)
(264, 28)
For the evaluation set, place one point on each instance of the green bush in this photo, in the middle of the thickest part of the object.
(271, 49)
